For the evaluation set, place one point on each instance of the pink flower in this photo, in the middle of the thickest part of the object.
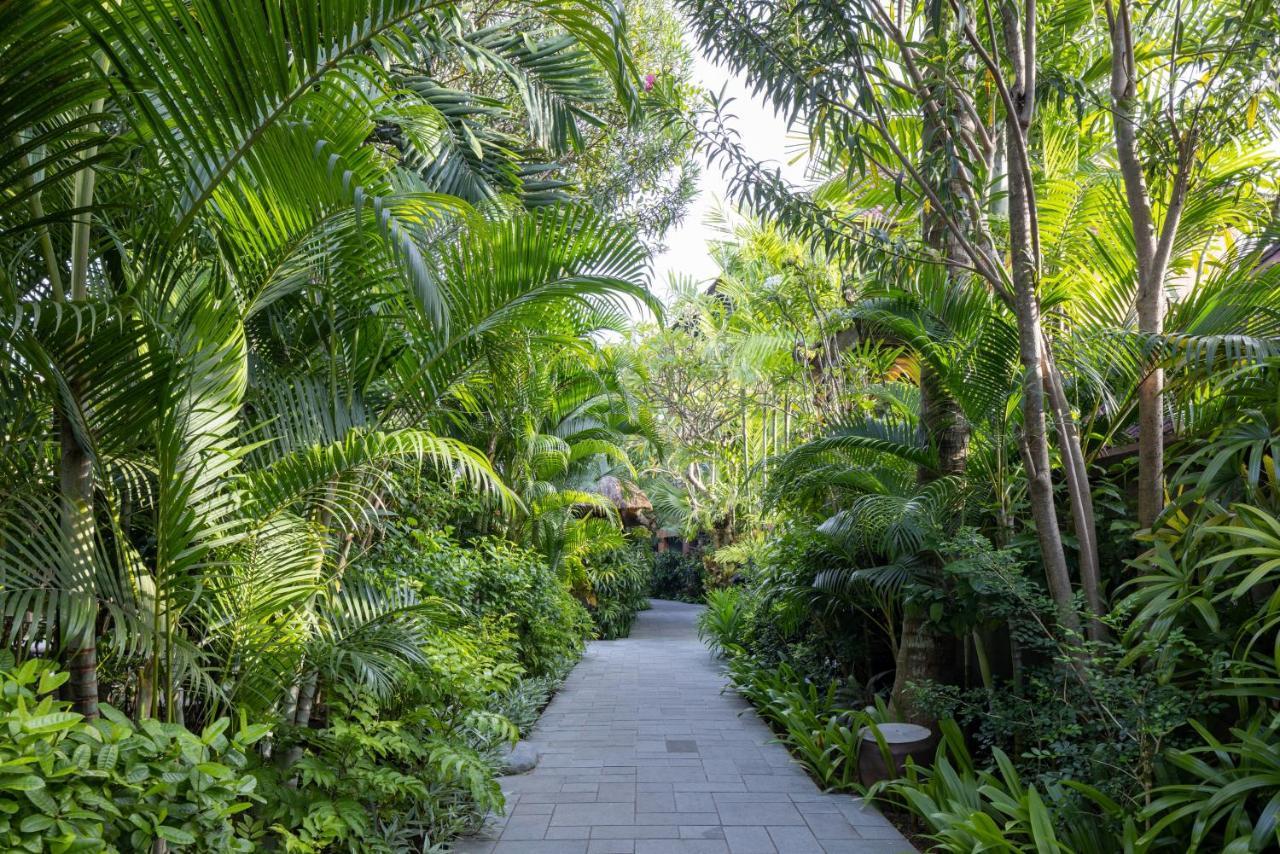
(649, 80)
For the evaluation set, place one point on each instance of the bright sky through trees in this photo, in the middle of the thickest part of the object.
(766, 138)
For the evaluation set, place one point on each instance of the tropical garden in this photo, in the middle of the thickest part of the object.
(331, 355)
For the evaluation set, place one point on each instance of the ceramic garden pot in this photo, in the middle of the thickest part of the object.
(903, 740)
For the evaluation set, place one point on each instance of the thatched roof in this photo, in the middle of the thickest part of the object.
(625, 496)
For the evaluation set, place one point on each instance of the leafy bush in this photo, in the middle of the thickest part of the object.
(108, 785)
(678, 577)
(808, 719)
(497, 582)
(619, 587)
(721, 625)
(970, 808)
(786, 618)
(1161, 741)
(382, 778)
(402, 753)
(524, 702)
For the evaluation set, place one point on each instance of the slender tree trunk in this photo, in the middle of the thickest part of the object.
(76, 480)
(1080, 493)
(35, 204)
(1019, 27)
(146, 693)
(1035, 434)
(923, 655)
(76, 467)
(306, 700)
(1152, 251)
(984, 660)
(301, 716)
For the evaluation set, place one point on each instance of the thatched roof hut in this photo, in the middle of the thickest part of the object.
(633, 505)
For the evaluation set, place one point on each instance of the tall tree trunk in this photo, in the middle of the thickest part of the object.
(301, 716)
(1150, 282)
(922, 657)
(76, 464)
(923, 654)
(1035, 434)
(1152, 251)
(1079, 492)
(1019, 30)
(76, 482)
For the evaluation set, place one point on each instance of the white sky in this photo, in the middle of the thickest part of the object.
(765, 138)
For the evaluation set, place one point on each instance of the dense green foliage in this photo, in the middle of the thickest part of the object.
(324, 417)
(108, 785)
(678, 577)
(305, 409)
(982, 425)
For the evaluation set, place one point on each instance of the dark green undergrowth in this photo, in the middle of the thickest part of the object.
(1162, 739)
(678, 577)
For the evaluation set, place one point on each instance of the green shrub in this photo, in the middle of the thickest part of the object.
(722, 624)
(785, 618)
(620, 588)
(408, 760)
(524, 702)
(970, 808)
(677, 577)
(108, 785)
(383, 777)
(497, 582)
(808, 719)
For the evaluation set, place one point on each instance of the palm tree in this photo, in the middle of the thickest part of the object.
(248, 275)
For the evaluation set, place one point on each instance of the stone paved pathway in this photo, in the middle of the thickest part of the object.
(643, 754)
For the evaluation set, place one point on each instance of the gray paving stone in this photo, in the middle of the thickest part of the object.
(656, 802)
(472, 846)
(635, 831)
(695, 802)
(777, 783)
(795, 840)
(616, 792)
(552, 846)
(752, 798)
(678, 818)
(830, 825)
(868, 846)
(747, 813)
(645, 752)
(558, 798)
(525, 827)
(611, 846)
(879, 831)
(532, 808)
(749, 840)
(711, 786)
(681, 846)
(585, 815)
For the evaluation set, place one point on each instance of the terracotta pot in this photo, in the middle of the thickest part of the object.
(903, 740)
